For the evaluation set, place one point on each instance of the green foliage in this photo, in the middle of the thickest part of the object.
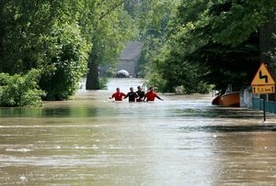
(57, 36)
(211, 42)
(66, 65)
(233, 65)
(22, 25)
(103, 83)
(228, 42)
(113, 27)
(48, 35)
(20, 90)
(154, 20)
(233, 22)
(110, 36)
(164, 47)
(175, 73)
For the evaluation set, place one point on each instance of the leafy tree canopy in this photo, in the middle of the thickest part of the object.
(58, 37)
(212, 42)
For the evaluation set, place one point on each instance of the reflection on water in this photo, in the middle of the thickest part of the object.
(92, 140)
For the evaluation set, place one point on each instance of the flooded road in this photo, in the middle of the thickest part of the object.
(93, 141)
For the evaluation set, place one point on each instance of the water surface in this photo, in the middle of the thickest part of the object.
(91, 140)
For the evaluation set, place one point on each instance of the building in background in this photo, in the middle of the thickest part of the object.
(128, 61)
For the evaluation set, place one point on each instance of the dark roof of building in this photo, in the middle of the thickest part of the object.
(131, 51)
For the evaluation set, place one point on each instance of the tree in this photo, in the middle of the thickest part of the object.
(235, 25)
(20, 90)
(45, 35)
(268, 41)
(22, 24)
(154, 25)
(112, 28)
(209, 42)
(66, 64)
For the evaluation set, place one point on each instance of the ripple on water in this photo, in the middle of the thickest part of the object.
(90, 140)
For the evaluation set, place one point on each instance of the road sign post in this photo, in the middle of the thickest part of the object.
(264, 109)
(263, 83)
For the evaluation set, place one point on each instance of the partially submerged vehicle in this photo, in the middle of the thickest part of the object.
(122, 74)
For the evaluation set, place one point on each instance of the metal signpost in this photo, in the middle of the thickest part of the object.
(263, 83)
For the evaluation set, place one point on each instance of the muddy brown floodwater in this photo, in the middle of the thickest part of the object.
(91, 140)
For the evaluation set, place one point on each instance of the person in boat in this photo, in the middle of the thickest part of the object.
(140, 94)
(151, 95)
(131, 95)
(118, 95)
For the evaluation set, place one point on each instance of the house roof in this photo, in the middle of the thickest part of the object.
(131, 51)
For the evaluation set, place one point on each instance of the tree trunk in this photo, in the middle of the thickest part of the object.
(267, 42)
(92, 80)
(267, 47)
(2, 32)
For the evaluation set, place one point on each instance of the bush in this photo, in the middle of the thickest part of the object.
(67, 64)
(20, 90)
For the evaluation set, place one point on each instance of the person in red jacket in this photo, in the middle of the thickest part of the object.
(151, 95)
(118, 95)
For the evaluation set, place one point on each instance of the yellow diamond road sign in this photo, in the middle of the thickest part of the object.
(263, 77)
